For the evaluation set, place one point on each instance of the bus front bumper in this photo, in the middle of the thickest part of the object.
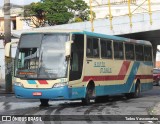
(59, 93)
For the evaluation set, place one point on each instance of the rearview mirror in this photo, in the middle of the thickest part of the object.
(8, 48)
(68, 48)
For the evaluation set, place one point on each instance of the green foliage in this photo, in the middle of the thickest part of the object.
(78, 19)
(35, 10)
(54, 12)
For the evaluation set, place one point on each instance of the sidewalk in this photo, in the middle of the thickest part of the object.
(2, 87)
(156, 109)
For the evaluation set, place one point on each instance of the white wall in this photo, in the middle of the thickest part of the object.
(2, 58)
(158, 54)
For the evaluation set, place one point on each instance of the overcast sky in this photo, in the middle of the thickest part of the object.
(19, 2)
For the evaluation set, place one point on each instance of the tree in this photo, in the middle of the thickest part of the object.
(55, 12)
(82, 10)
(34, 13)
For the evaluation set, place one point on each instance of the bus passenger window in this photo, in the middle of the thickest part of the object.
(129, 51)
(139, 52)
(118, 50)
(92, 47)
(89, 47)
(106, 48)
(109, 49)
(95, 47)
(147, 53)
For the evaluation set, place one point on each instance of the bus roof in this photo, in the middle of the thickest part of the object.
(117, 38)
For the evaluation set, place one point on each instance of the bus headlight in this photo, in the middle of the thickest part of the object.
(18, 84)
(59, 85)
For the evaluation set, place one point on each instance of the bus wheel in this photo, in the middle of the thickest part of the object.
(137, 90)
(136, 93)
(89, 95)
(44, 102)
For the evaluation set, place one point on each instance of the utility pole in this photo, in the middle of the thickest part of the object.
(7, 38)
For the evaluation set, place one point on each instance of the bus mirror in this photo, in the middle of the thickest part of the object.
(68, 48)
(8, 49)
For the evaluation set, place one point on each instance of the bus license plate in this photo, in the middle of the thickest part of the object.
(37, 94)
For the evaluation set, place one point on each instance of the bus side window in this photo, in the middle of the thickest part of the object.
(139, 52)
(129, 51)
(121, 54)
(92, 47)
(103, 49)
(109, 49)
(118, 50)
(95, 47)
(147, 53)
(106, 49)
(89, 47)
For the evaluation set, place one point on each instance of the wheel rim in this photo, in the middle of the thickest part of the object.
(137, 91)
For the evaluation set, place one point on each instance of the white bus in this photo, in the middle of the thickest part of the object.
(71, 65)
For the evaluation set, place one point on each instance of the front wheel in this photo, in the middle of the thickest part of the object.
(89, 95)
(44, 102)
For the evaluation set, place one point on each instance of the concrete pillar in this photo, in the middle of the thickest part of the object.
(154, 45)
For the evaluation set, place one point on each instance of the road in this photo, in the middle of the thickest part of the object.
(116, 105)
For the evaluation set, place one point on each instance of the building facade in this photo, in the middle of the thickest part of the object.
(17, 19)
(120, 7)
(17, 23)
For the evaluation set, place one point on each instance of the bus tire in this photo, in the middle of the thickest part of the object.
(44, 102)
(137, 90)
(136, 93)
(89, 94)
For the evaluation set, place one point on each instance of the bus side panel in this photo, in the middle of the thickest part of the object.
(145, 75)
(77, 92)
(117, 76)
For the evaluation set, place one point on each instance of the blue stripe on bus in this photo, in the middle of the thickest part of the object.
(120, 88)
(31, 81)
(132, 75)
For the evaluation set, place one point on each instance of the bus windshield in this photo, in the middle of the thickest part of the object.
(43, 59)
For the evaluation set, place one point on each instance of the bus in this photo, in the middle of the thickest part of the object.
(80, 65)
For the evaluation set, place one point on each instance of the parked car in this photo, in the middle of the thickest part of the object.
(156, 76)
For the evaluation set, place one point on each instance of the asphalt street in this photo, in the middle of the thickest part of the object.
(147, 104)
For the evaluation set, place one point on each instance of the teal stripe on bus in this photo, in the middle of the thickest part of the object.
(31, 81)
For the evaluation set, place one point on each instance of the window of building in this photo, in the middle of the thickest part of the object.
(14, 24)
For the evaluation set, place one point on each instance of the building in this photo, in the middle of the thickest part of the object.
(100, 7)
(158, 58)
(120, 7)
(17, 22)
